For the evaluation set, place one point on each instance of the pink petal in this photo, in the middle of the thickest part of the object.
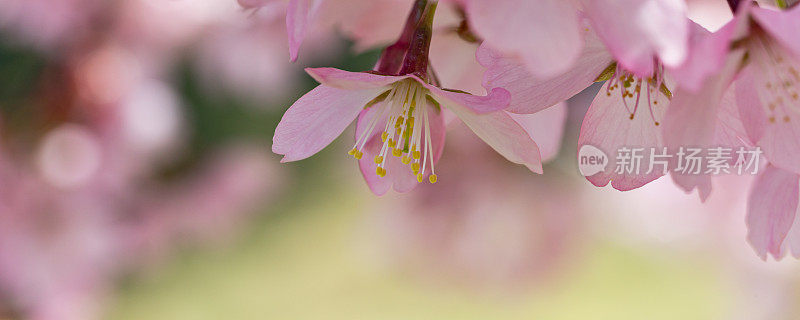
(455, 63)
(692, 120)
(370, 23)
(608, 127)
(546, 127)
(635, 31)
(317, 118)
(531, 94)
(778, 126)
(544, 34)
(730, 131)
(792, 240)
(299, 15)
(707, 55)
(250, 4)
(780, 25)
(348, 80)
(398, 174)
(781, 144)
(497, 99)
(749, 103)
(503, 134)
(771, 210)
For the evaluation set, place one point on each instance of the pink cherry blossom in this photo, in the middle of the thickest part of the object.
(401, 115)
(764, 88)
(626, 112)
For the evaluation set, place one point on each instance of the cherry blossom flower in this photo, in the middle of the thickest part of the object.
(753, 50)
(400, 117)
(630, 109)
(626, 112)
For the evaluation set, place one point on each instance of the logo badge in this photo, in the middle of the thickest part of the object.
(591, 160)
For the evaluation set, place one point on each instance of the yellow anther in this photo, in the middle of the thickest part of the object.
(399, 122)
(391, 142)
(415, 167)
(433, 178)
(398, 131)
(406, 159)
(358, 155)
(397, 152)
(352, 152)
(378, 159)
(416, 154)
(384, 136)
(419, 177)
(381, 172)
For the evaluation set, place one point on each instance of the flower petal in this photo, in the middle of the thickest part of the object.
(299, 15)
(544, 34)
(608, 126)
(497, 99)
(348, 80)
(792, 240)
(530, 93)
(749, 103)
(693, 119)
(546, 127)
(455, 62)
(771, 113)
(318, 117)
(778, 25)
(771, 210)
(707, 55)
(503, 134)
(250, 4)
(635, 31)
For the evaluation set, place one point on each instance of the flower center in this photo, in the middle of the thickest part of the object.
(779, 79)
(630, 89)
(406, 133)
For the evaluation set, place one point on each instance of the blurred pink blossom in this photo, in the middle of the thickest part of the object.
(459, 232)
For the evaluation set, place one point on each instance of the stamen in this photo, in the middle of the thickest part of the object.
(632, 87)
(780, 76)
(402, 136)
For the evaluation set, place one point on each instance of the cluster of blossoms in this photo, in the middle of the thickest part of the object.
(83, 196)
(669, 83)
